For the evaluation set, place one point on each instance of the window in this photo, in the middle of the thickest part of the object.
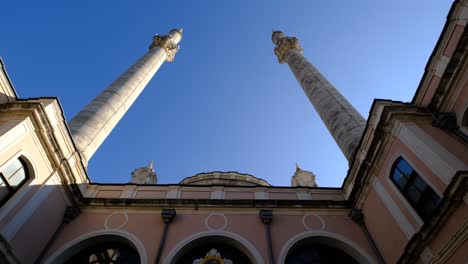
(12, 177)
(418, 193)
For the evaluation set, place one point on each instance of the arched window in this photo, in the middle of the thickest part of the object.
(12, 177)
(307, 251)
(419, 194)
(106, 253)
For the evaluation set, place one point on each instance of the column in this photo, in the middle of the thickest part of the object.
(91, 126)
(344, 123)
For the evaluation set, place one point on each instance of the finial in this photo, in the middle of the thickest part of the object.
(181, 29)
(151, 164)
(297, 167)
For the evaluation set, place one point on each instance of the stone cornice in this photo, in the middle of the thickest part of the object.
(284, 45)
(208, 203)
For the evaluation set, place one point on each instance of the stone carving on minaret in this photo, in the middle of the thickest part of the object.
(344, 123)
(91, 126)
(144, 175)
(167, 43)
(303, 178)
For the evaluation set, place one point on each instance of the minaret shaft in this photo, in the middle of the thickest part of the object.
(91, 126)
(344, 123)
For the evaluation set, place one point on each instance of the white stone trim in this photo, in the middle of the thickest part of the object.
(207, 219)
(443, 163)
(248, 248)
(303, 196)
(316, 216)
(217, 194)
(106, 222)
(440, 66)
(262, 195)
(60, 255)
(395, 211)
(332, 239)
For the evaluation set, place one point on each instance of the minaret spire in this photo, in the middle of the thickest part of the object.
(91, 126)
(344, 123)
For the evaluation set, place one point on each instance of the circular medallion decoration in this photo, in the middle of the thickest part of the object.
(116, 221)
(313, 222)
(216, 222)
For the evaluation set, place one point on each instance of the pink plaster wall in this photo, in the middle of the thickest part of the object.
(386, 232)
(148, 226)
(150, 195)
(239, 195)
(452, 227)
(36, 232)
(431, 88)
(108, 194)
(195, 195)
(282, 195)
(453, 41)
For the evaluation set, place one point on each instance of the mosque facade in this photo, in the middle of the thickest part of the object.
(404, 198)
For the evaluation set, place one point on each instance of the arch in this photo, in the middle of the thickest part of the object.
(235, 240)
(72, 247)
(11, 187)
(330, 239)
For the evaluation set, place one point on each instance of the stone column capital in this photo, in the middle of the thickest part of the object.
(168, 43)
(285, 44)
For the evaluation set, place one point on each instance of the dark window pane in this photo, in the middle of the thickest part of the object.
(419, 183)
(413, 194)
(399, 179)
(404, 167)
(4, 191)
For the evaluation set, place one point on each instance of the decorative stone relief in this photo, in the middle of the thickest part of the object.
(116, 221)
(167, 43)
(313, 222)
(284, 45)
(212, 257)
(216, 222)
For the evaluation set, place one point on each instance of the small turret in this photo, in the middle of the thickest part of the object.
(144, 175)
(303, 178)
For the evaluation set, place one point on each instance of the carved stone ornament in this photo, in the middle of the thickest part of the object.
(212, 257)
(285, 44)
(167, 44)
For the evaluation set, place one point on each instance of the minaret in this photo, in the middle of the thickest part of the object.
(91, 126)
(345, 124)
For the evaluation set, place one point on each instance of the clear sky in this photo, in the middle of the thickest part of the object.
(225, 103)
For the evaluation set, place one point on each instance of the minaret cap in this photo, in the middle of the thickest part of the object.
(276, 36)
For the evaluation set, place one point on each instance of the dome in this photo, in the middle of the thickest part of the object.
(224, 178)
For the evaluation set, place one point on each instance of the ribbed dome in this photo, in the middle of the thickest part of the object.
(224, 178)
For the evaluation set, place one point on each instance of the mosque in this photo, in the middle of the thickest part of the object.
(404, 199)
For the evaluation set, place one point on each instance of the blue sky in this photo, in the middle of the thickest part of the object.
(224, 104)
